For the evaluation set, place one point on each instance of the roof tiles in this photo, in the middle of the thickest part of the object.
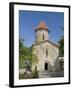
(42, 25)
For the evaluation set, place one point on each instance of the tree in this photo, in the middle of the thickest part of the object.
(25, 53)
(61, 44)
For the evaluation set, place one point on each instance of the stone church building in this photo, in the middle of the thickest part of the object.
(46, 51)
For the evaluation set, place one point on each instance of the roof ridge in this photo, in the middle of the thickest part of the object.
(47, 41)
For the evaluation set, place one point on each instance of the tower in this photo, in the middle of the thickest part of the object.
(41, 32)
(45, 50)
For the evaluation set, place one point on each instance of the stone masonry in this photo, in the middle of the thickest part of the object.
(46, 51)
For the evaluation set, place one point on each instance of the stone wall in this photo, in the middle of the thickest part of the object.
(40, 34)
(40, 51)
(58, 64)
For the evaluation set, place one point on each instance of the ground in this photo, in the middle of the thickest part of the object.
(45, 74)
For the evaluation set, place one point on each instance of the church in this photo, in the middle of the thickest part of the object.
(46, 51)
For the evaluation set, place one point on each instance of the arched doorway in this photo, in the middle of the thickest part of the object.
(46, 66)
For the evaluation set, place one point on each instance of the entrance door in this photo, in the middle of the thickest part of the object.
(46, 66)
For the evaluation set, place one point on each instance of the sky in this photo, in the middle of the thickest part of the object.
(29, 20)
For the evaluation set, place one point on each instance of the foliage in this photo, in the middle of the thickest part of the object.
(61, 44)
(25, 53)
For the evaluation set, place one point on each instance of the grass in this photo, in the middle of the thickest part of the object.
(34, 74)
(21, 76)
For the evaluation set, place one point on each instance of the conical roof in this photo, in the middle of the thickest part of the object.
(42, 25)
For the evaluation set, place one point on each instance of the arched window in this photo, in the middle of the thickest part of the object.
(46, 52)
(43, 37)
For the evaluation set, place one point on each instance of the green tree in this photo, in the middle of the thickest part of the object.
(25, 53)
(61, 44)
